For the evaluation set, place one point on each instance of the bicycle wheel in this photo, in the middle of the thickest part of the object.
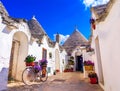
(43, 75)
(28, 76)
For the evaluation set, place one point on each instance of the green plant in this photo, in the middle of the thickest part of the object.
(92, 75)
(30, 58)
(71, 57)
(70, 62)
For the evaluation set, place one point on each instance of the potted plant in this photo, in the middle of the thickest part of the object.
(68, 68)
(70, 62)
(88, 65)
(93, 78)
(30, 60)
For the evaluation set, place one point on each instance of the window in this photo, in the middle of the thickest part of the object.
(49, 69)
(50, 55)
(44, 53)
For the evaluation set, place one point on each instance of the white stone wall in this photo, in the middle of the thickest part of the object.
(4, 55)
(36, 51)
(108, 33)
(88, 56)
(63, 60)
(6, 37)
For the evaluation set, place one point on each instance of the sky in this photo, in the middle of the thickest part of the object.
(55, 16)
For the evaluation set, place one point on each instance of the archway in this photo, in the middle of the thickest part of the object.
(57, 60)
(19, 51)
(79, 61)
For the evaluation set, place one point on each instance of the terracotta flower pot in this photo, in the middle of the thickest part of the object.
(89, 68)
(30, 64)
(93, 80)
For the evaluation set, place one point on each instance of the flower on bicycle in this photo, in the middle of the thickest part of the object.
(43, 62)
(37, 68)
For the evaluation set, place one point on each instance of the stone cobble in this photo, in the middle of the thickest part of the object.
(73, 81)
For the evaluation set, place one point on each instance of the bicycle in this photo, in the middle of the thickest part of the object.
(36, 73)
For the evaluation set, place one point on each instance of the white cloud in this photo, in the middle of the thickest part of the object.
(63, 38)
(89, 3)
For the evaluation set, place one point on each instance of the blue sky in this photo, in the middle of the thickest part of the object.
(54, 15)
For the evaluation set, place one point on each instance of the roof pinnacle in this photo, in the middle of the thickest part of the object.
(76, 28)
(34, 17)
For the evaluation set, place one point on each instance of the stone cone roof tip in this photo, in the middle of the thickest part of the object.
(37, 31)
(34, 17)
(74, 40)
(35, 28)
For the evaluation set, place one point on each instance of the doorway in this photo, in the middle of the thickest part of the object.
(99, 61)
(13, 60)
(57, 60)
(79, 63)
(19, 51)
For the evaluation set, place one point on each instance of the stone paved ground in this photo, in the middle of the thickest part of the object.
(73, 81)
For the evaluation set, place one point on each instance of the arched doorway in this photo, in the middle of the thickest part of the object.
(57, 60)
(19, 51)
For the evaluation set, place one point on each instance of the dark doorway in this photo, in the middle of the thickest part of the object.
(79, 63)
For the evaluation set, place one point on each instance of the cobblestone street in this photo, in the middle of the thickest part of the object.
(66, 81)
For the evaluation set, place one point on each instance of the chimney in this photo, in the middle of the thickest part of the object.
(57, 38)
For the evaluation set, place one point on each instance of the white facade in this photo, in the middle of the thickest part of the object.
(106, 43)
(63, 58)
(55, 60)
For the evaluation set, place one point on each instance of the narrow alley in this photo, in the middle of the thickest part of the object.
(71, 81)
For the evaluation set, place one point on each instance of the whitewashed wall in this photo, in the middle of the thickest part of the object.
(63, 60)
(5, 49)
(6, 37)
(88, 56)
(54, 54)
(108, 33)
(36, 51)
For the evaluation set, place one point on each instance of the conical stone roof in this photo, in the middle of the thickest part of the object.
(38, 32)
(36, 29)
(75, 39)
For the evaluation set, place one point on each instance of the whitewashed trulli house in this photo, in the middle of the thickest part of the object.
(105, 41)
(76, 46)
